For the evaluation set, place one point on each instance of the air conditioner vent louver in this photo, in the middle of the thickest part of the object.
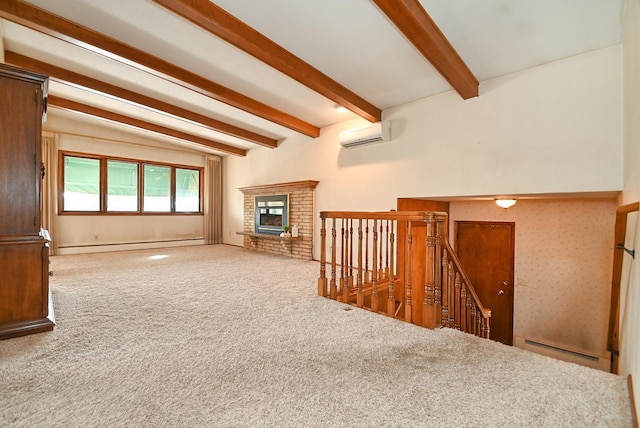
(375, 133)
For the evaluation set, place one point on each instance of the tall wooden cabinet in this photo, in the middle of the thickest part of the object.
(24, 253)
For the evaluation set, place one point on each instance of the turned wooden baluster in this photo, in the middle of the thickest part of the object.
(382, 240)
(351, 282)
(391, 301)
(342, 261)
(451, 293)
(474, 320)
(388, 245)
(456, 302)
(469, 322)
(322, 281)
(360, 295)
(374, 269)
(409, 255)
(451, 289)
(332, 284)
(366, 252)
(463, 307)
(348, 258)
(447, 279)
(350, 237)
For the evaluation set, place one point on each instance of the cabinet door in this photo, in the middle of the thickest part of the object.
(23, 290)
(20, 157)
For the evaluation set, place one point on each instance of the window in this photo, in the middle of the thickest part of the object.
(187, 190)
(157, 188)
(81, 184)
(124, 186)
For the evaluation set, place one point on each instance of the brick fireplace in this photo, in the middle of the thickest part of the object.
(300, 212)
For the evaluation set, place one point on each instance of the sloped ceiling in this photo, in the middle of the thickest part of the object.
(353, 43)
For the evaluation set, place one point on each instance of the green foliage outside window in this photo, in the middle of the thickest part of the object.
(187, 190)
(157, 188)
(81, 184)
(122, 186)
(165, 188)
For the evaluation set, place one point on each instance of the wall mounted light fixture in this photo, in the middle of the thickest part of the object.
(505, 203)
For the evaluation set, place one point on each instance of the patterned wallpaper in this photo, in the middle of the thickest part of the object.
(563, 262)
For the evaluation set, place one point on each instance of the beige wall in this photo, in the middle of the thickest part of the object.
(630, 311)
(77, 233)
(552, 129)
(563, 256)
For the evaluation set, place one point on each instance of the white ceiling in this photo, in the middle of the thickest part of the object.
(351, 41)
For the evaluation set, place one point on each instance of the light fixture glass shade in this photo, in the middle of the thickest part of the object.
(505, 203)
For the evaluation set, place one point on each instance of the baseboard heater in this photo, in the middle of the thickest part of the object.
(563, 353)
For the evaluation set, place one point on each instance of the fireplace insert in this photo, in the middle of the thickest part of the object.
(272, 214)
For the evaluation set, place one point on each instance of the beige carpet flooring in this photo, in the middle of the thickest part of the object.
(219, 336)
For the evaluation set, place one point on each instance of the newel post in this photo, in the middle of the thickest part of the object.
(429, 312)
(441, 238)
(322, 280)
(486, 329)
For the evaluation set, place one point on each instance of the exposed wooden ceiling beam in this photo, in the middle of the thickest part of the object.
(217, 21)
(74, 106)
(55, 26)
(414, 22)
(83, 81)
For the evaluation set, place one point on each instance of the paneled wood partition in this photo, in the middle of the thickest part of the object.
(359, 266)
(419, 232)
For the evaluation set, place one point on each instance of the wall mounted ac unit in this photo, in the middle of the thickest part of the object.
(380, 131)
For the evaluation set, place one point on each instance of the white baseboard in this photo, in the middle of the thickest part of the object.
(124, 247)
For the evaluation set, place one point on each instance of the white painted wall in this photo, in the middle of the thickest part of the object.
(630, 293)
(552, 129)
(90, 233)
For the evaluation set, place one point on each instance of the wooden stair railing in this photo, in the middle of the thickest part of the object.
(463, 306)
(364, 269)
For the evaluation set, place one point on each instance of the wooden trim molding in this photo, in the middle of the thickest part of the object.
(306, 184)
(620, 231)
(220, 23)
(414, 22)
(40, 20)
(64, 104)
(632, 400)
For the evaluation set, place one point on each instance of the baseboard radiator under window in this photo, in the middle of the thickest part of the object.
(563, 353)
